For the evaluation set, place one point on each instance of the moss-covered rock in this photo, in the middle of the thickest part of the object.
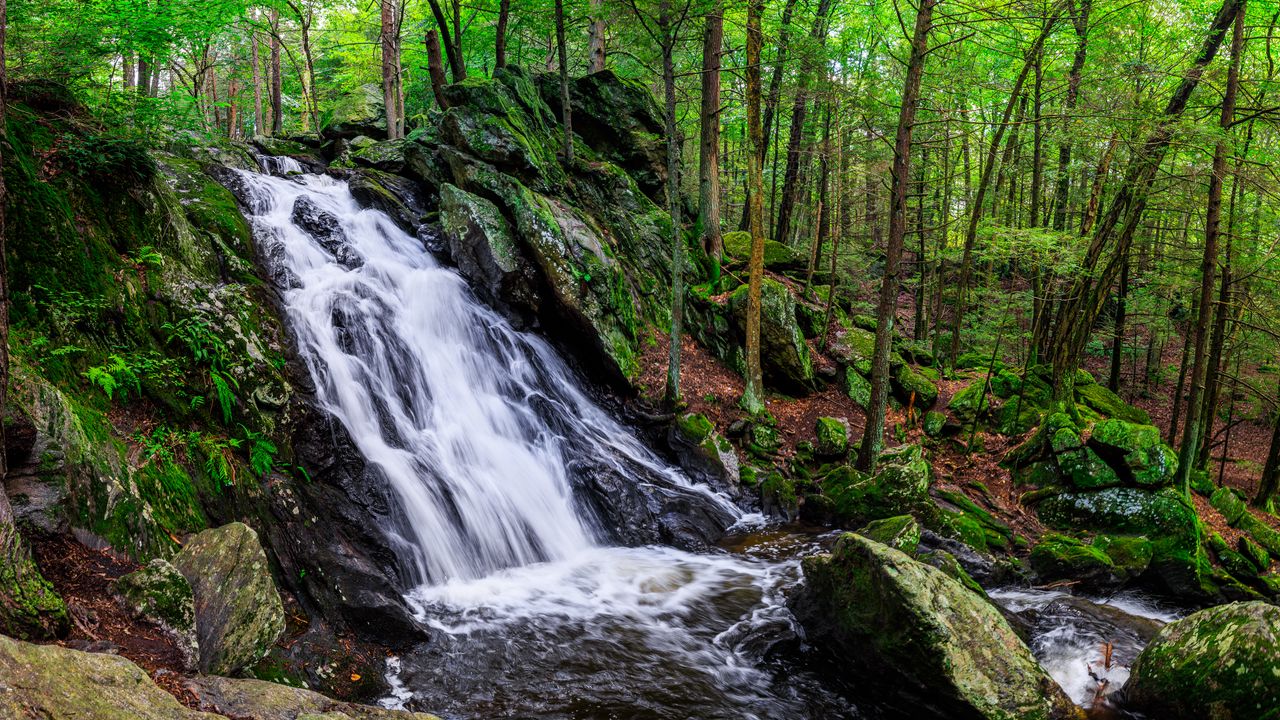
(970, 403)
(900, 486)
(877, 609)
(47, 681)
(901, 532)
(1131, 555)
(832, 437)
(1059, 557)
(777, 257)
(485, 249)
(1230, 503)
(1216, 663)
(159, 593)
(1100, 399)
(704, 452)
(1137, 449)
(858, 388)
(30, 608)
(913, 387)
(934, 423)
(784, 354)
(239, 615)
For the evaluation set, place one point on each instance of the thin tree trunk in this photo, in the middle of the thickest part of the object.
(708, 158)
(566, 114)
(277, 104)
(1179, 388)
(435, 67)
(1117, 334)
(259, 124)
(1062, 189)
(500, 40)
(595, 44)
(753, 389)
(456, 66)
(1213, 213)
(873, 435)
(390, 93)
(668, 31)
(1217, 345)
(775, 94)
(1269, 485)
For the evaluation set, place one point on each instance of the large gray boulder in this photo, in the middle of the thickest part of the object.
(239, 615)
(1222, 663)
(159, 593)
(261, 700)
(56, 683)
(784, 354)
(934, 646)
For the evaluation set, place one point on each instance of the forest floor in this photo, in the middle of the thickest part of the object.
(713, 389)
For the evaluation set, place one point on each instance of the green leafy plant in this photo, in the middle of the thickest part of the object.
(224, 387)
(262, 452)
(116, 375)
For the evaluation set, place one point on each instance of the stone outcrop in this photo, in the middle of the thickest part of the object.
(238, 611)
(160, 594)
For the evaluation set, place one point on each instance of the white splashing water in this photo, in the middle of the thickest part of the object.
(1070, 635)
(469, 422)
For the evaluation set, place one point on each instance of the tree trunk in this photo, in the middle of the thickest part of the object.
(259, 123)
(390, 78)
(457, 68)
(775, 94)
(595, 46)
(435, 67)
(500, 40)
(708, 158)
(1269, 485)
(668, 30)
(1062, 189)
(886, 307)
(1117, 333)
(1213, 215)
(753, 390)
(277, 105)
(566, 114)
(782, 230)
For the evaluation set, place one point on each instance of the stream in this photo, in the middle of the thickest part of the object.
(490, 444)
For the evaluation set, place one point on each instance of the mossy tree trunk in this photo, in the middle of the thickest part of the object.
(596, 50)
(708, 151)
(500, 36)
(775, 94)
(390, 28)
(887, 305)
(753, 391)
(566, 113)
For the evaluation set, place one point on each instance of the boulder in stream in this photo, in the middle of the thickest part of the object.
(1221, 663)
(932, 645)
(239, 615)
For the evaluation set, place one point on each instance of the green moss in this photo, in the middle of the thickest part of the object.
(934, 422)
(1058, 557)
(969, 403)
(901, 532)
(737, 246)
(913, 388)
(832, 437)
(858, 388)
(1130, 555)
(1104, 401)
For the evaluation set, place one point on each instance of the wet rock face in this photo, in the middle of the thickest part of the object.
(326, 230)
(948, 652)
(159, 593)
(262, 700)
(238, 611)
(1220, 663)
(783, 351)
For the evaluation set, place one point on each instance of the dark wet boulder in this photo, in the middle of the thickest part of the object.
(261, 700)
(1061, 557)
(486, 251)
(400, 198)
(784, 354)
(900, 532)
(325, 228)
(238, 611)
(936, 648)
(899, 487)
(1137, 450)
(1221, 663)
(704, 453)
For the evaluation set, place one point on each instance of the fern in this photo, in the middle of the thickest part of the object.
(118, 373)
(223, 388)
(262, 452)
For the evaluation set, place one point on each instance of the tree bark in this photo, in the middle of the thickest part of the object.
(277, 105)
(500, 40)
(753, 390)
(566, 113)
(595, 45)
(1062, 188)
(775, 94)
(457, 68)
(708, 150)
(435, 67)
(259, 123)
(1191, 432)
(1117, 333)
(668, 28)
(390, 77)
(887, 305)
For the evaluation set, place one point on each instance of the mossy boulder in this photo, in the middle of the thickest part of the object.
(1108, 404)
(858, 388)
(1217, 663)
(239, 615)
(1061, 557)
(30, 608)
(777, 257)
(934, 423)
(901, 532)
(970, 403)
(832, 437)
(935, 646)
(1131, 555)
(900, 486)
(784, 354)
(484, 248)
(47, 681)
(1230, 503)
(159, 593)
(704, 453)
(1137, 449)
(913, 387)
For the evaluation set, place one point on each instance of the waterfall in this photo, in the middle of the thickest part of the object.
(497, 460)
(472, 423)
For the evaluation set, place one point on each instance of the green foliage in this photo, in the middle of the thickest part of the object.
(107, 160)
(117, 374)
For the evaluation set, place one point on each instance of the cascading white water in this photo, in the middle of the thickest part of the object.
(466, 418)
(472, 424)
